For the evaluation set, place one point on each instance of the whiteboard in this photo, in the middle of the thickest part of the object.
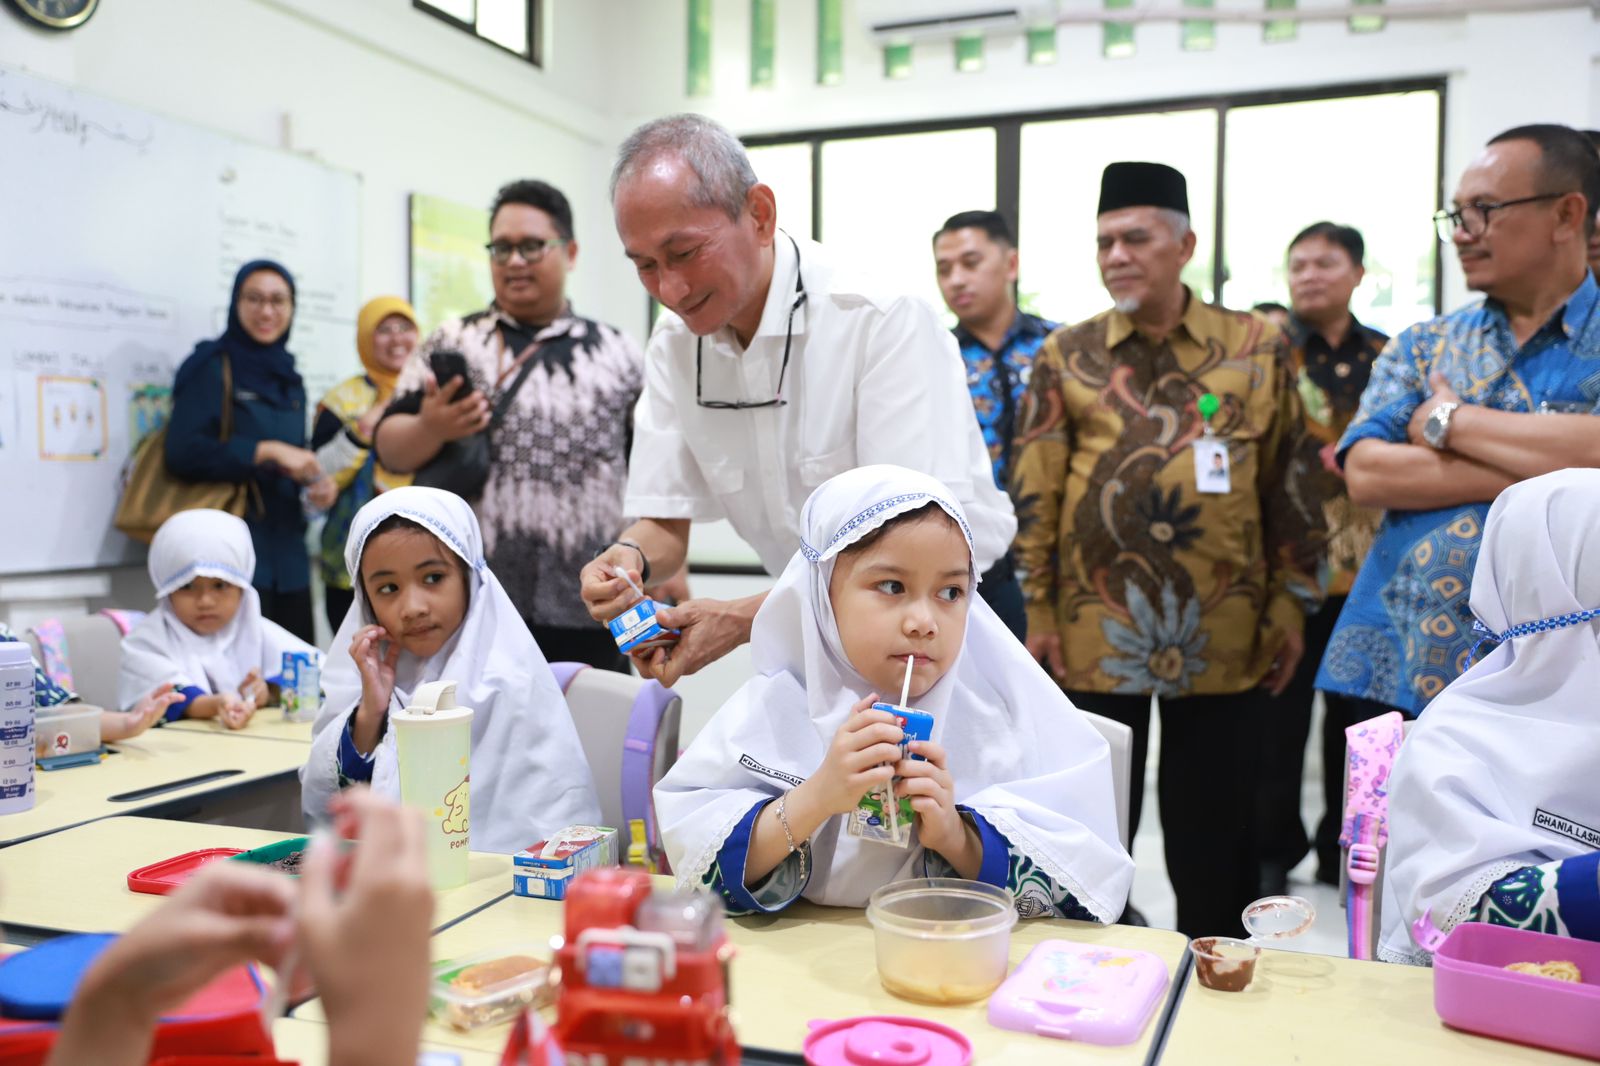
(120, 233)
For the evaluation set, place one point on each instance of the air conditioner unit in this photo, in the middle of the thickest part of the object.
(898, 21)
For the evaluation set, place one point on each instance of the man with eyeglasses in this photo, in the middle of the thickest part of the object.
(1464, 405)
(769, 372)
(559, 449)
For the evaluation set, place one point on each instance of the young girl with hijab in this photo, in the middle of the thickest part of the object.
(1492, 802)
(341, 436)
(428, 608)
(266, 448)
(206, 636)
(1016, 787)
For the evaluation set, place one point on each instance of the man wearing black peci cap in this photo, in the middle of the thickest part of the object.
(1168, 545)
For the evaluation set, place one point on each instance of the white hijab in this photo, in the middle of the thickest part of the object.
(529, 774)
(191, 544)
(1020, 753)
(1517, 733)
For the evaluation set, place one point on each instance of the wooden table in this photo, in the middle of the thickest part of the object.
(266, 724)
(810, 962)
(1318, 1008)
(77, 880)
(307, 1043)
(175, 773)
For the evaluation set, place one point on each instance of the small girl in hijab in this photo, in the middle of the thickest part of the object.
(428, 608)
(206, 636)
(1493, 807)
(1014, 788)
(341, 435)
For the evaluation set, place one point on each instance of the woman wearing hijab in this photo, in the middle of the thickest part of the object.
(1493, 807)
(386, 335)
(1027, 773)
(441, 614)
(267, 444)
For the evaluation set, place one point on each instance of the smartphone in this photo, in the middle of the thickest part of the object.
(448, 364)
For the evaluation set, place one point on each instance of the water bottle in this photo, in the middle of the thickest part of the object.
(16, 728)
(434, 739)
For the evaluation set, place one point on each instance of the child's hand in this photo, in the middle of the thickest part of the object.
(254, 690)
(933, 797)
(364, 926)
(125, 725)
(235, 713)
(860, 759)
(377, 684)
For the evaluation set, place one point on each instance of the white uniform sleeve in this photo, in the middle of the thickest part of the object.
(915, 411)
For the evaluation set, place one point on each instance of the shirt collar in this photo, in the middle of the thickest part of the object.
(1301, 333)
(1570, 318)
(1119, 327)
(1022, 325)
(781, 294)
(557, 326)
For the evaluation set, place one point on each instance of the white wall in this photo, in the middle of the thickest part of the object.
(1502, 70)
(372, 86)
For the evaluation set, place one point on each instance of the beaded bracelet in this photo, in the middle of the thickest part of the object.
(783, 820)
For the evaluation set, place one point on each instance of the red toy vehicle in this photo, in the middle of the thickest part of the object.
(644, 975)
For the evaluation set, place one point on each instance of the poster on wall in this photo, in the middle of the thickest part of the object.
(449, 267)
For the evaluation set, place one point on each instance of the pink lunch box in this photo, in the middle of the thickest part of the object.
(1473, 990)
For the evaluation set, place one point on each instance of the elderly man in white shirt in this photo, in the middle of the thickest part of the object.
(769, 372)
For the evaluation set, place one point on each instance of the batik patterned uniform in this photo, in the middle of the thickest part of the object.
(998, 380)
(1405, 631)
(1153, 586)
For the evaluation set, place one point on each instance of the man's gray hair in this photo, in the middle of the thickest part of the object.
(716, 158)
(1176, 221)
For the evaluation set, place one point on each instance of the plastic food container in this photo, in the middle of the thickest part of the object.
(1473, 990)
(942, 939)
(1091, 993)
(161, 878)
(488, 987)
(1224, 963)
(66, 731)
(284, 856)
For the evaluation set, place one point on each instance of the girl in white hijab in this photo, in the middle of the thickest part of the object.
(1494, 813)
(1016, 787)
(427, 608)
(206, 635)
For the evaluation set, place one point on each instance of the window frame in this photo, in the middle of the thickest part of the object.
(1008, 147)
(535, 34)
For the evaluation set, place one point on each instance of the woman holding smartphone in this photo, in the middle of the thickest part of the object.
(564, 388)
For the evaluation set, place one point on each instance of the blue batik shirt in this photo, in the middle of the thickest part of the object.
(1406, 630)
(997, 381)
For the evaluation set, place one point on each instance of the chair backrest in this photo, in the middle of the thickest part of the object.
(1120, 737)
(629, 730)
(94, 653)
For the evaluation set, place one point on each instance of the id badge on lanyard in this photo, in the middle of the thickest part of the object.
(1211, 465)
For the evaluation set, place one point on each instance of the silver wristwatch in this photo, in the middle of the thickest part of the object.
(1436, 430)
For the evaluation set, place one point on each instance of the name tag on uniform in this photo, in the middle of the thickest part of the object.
(1211, 466)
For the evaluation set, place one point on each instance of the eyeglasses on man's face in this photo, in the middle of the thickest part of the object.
(1473, 219)
(531, 250)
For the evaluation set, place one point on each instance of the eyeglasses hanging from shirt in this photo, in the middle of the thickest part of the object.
(788, 340)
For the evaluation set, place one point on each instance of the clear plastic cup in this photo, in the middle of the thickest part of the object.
(1225, 963)
(942, 939)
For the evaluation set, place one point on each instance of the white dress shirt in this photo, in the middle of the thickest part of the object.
(874, 377)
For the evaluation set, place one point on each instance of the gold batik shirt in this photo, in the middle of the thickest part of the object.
(1154, 586)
